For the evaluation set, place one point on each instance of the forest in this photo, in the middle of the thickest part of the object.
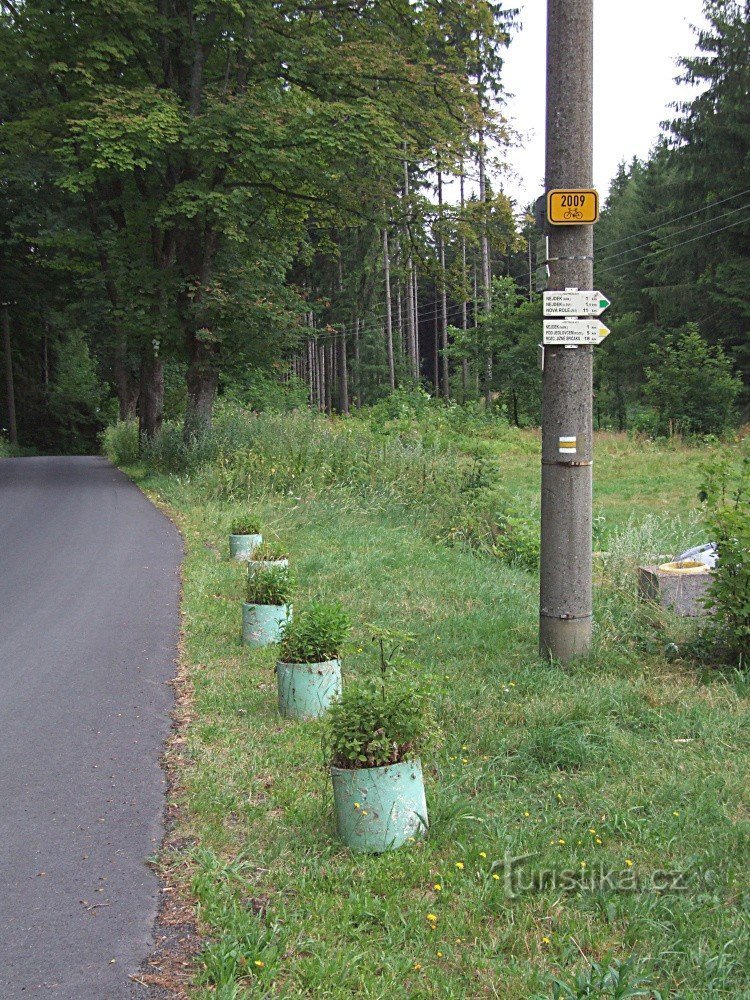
(285, 203)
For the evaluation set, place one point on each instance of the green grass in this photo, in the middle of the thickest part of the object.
(649, 754)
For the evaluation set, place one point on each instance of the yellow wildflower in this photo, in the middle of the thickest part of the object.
(460, 865)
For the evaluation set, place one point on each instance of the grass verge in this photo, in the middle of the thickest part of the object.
(603, 777)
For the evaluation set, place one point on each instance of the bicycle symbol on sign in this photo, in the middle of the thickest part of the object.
(573, 213)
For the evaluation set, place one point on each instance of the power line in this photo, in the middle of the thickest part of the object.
(679, 218)
(687, 229)
(682, 243)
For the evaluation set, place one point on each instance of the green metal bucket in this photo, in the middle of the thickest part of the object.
(261, 623)
(241, 547)
(379, 808)
(307, 689)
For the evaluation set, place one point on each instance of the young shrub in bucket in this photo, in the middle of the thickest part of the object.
(267, 606)
(266, 555)
(245, 537)
(377, 732)
(308, 674)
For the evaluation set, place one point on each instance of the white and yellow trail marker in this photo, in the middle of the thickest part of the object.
(568, 445)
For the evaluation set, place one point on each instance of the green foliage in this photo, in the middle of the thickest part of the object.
(619, 980)
(316, 633)
(726, 494)
(272, 585)
(248, 524)
(691, 385)
(264, 391)
(120, 442)
(378, 722)
(270, 552)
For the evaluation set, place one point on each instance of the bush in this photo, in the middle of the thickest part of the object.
(377, 722)
(691, 385)
(315, 635)
(270, 585)
(727, 499)
(120, 442)
(247, 525)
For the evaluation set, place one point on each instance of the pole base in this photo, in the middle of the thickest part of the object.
(564, 639)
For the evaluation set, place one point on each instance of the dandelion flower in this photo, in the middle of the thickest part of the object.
(357, 805)
(560, 840)
(628, 862)
(546, 940)
(431, 918)
(437, 887)
(440, 954)
(460, 865)
(417, 966)
(527, 813)
(482, 854)
(675, 813)
(496, 877)
(598, 840)
(259, 963)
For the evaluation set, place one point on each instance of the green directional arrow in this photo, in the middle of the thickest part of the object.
(604, 303)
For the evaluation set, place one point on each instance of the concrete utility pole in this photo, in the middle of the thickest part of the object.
(565, 607)
(9, 392)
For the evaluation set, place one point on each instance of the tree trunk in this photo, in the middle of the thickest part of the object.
(411, 314)
(436, 344)
(320, 351)
(443, 294)
(417, 355)
(329, 376)
(357, 370)
(202, 382)
(151, 398)
(9, 387)
(127, 388)
(486, 277)
(343, 380)
(464, 278)
(388, 315)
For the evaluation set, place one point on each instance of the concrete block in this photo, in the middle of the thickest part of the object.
(681, 593)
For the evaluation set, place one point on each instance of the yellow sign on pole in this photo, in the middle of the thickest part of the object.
(576, 207)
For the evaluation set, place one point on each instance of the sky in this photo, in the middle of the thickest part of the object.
(636, 45)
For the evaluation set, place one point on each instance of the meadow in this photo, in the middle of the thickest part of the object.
(589, 823)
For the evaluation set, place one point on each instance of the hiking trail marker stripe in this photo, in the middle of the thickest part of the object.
(567, 445)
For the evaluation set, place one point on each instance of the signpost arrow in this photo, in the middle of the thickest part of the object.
(575, 303)
(574, 332)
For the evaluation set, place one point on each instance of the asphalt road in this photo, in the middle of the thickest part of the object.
(89, 594)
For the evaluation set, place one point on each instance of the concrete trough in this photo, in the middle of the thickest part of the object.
(680, 589)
